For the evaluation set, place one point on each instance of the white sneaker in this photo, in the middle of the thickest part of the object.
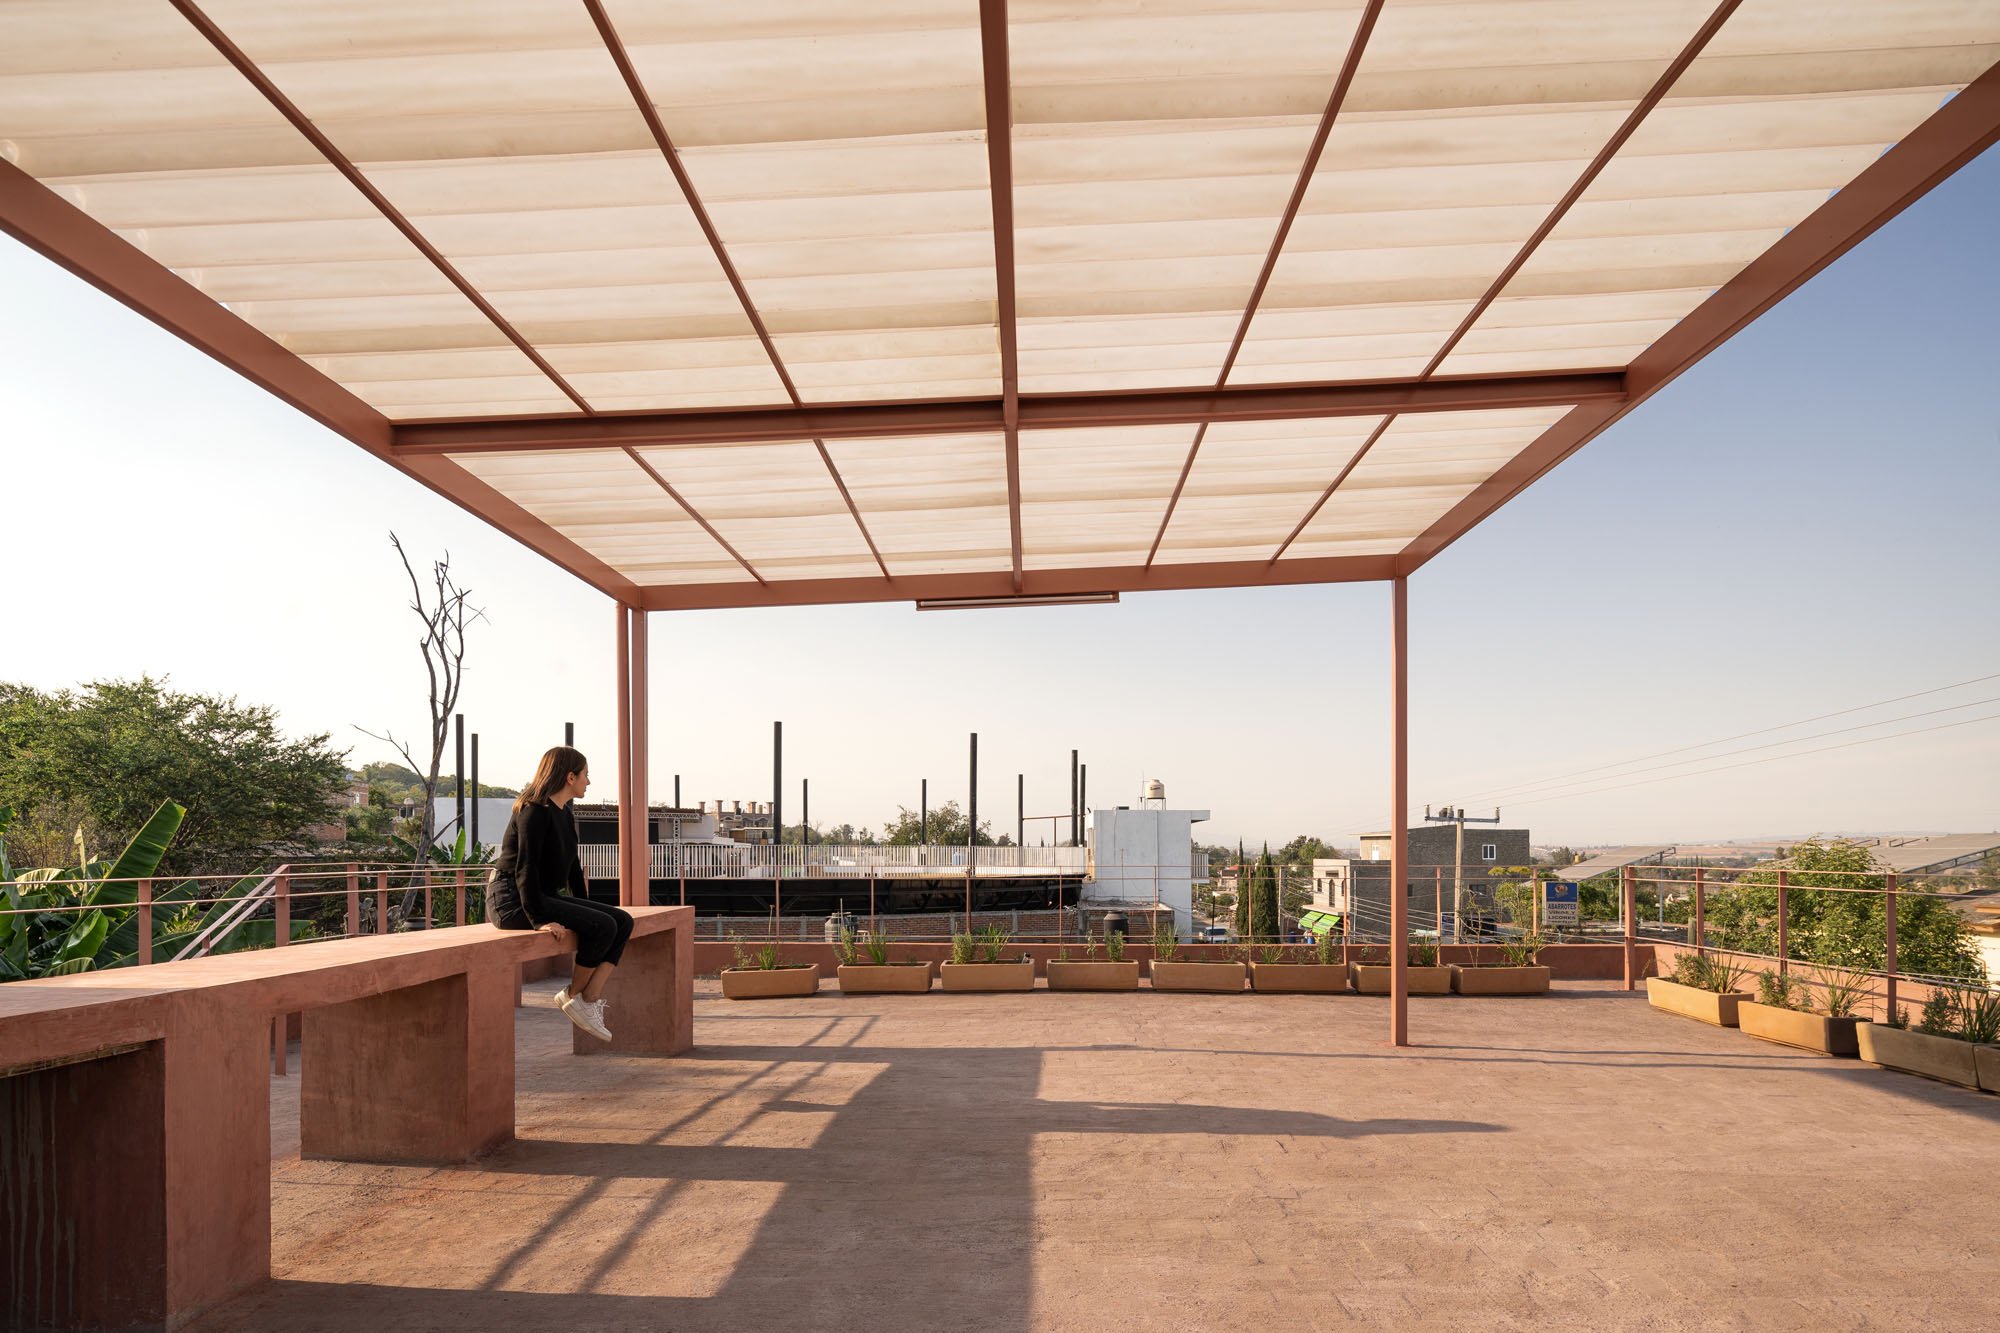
(562, 998)
(588, 1015)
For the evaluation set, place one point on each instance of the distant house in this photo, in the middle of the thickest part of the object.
(1358, 888)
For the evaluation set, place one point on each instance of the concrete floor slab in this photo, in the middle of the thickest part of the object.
(1094, 1161)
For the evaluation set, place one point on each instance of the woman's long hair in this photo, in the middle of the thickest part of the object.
(550, 774)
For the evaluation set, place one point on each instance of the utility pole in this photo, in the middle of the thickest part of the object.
(1075, 819)
(923, 822)
(1456, 815)
(805, 809)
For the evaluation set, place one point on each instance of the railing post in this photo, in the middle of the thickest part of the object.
(425, 876)
(1784, 923)
(381, 902)
(459, 891)
(1700, 911)
(145, 922)
(353, 899)
(873, 926)
(1889, 941)
(281, 934)
(1630, 912)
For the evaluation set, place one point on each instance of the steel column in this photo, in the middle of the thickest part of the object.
(1399, 813)
(638, 890)
(624, 673)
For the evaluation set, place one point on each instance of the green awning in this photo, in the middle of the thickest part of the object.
(1317, 921)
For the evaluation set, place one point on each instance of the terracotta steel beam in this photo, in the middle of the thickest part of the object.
(1959, 131)
(1399, 812)
(860, 421)
(1000, 187)
(1362, 31)
(693, 513)
(248, 68)
(635, 890)
(48, 224)
(1626, 129)
(614, 45)
(1035, 582)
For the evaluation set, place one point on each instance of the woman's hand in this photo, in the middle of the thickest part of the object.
(564, 939)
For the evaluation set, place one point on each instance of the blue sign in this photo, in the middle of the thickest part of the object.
(1559, 903)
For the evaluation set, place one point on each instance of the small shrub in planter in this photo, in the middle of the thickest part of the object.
(1318, 971)
(1953, 1041)
(1113, 972)
(976, 965)
(1783, 1012)
(1372, 975)
(1512, 970)
(1704, 987)
(765, 975)
(1171, 973)
(865, 968)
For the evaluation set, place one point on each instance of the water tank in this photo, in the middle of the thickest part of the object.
(1113, 923)
(1154, 790)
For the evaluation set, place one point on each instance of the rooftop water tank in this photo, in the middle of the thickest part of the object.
(1154, 790)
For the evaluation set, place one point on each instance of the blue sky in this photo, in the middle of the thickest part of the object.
(1804, 523)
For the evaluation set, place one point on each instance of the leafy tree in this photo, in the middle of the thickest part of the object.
(105, 757)
(947, 827)
(1847, 929)
(402, 785)
(1304, 850)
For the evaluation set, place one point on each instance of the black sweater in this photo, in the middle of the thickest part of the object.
(538, 852)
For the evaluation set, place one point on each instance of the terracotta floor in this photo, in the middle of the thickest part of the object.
(1166, 1161)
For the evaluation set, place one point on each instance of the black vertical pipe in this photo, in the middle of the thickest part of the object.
(677, 791)
(1083, 805)
(458, 721)
(805, 808)
(924, 812)
(972, 817)
(777, 782)
(569, 734)
(473, 840)
(1020, 809)
(1075, 822)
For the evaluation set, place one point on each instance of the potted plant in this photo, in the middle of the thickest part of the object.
(764, 975)
(1783, 1012)
(1320, 971)
(1953, 1041)
(1424, 976)
(1170, 972)
(1113, 972)
(1703, 986)
(1513, 971)
(975, 964)
(865, 968)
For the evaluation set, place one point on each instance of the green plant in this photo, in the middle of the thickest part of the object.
(1845, 990)
(963, 947)
(1114, 946)
(1423, 953)
(1899, 1018)
(1522, 951)
(1978, 1013)
(1940, 1018)
(846, 950)
(741, 959)
(1271, 953)
(1166, 943)
(992, 939)
(1781, 991)
(1326, 948)
(878, 948)
(1708, 972)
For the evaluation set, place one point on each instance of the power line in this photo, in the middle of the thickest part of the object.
(1768, 759)
(1741, 735)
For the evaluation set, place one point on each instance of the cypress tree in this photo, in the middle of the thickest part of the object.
(1244, 881)
(1264, 898)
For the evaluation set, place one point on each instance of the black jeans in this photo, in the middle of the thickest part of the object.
(600, 929)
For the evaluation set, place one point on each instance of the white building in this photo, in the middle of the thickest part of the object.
(1146, 853)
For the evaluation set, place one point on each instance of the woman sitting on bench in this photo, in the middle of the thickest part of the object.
(537, 863)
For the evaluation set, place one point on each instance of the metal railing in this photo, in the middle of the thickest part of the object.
(696, 860)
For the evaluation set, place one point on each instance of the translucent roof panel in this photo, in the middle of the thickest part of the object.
(841, 150)
(1420, 467)
(1096, 497)
(604, 502)
(775, 503)
(1464, 126)
(582, 241)
(1251, 484)
(1154, 149)
(935, 504)
(1787, 104)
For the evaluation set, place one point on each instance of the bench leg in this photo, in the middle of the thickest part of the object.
(420, 1074)
(135, 1189)
(651, 998)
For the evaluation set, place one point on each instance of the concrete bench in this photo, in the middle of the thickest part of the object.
(135, 1133)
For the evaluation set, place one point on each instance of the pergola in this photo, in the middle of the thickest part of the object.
(782, 302)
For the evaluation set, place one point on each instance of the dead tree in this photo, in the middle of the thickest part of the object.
(445, 612)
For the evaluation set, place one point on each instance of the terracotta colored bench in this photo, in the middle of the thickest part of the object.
(135, 1134)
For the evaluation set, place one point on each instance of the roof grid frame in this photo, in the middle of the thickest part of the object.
(340, 162)
(1626, 129)
(614, 45)
(999, 95)
(695, 514)
(1335, 98)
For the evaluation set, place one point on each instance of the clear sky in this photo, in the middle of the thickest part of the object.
(1803, 524)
